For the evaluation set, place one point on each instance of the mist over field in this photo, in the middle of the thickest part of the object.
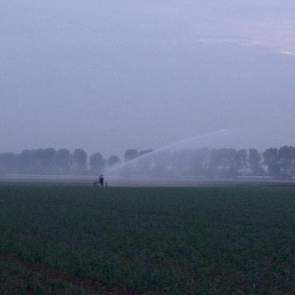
(109, 75)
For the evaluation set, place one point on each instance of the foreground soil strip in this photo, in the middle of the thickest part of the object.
(87, 284)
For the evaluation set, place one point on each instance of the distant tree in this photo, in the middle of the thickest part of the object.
(255, 162)
(223, 162)
(63, 161)
(8, 163)
(113, 160)
(47, 160)
(286, 159)
(26, 161)
(199, 162)
(79, 160)
(241, 160)
(233, 162)
(131, 154)
(214, 162)
(37, 166)
(37, 161)
(271, 160)
(97, 163)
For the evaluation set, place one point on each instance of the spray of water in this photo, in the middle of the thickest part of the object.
(148, 166)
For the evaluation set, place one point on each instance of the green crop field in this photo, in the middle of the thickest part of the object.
(212, 240)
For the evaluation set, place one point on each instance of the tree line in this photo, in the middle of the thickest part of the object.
(223, 162)
(61, 161)
(216, 163)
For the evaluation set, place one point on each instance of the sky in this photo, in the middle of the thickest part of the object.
(110, 75)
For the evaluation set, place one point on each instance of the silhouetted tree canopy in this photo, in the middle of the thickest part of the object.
(97, 162)
(131, 154)
(202, 162)
(270, 160)
(255, 162)
(63, 161)
(113, 161)
(79, 160)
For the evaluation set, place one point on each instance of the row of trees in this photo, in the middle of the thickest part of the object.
(225, 162)
(275, 162)
(62, 161)
(218, 163)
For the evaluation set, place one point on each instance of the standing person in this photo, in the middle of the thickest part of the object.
(101, 180)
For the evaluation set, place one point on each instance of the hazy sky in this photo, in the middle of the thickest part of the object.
(108, 75)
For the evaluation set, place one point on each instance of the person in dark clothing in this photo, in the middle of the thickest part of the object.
(101, 180)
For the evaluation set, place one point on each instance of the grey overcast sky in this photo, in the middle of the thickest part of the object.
(108, 75)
